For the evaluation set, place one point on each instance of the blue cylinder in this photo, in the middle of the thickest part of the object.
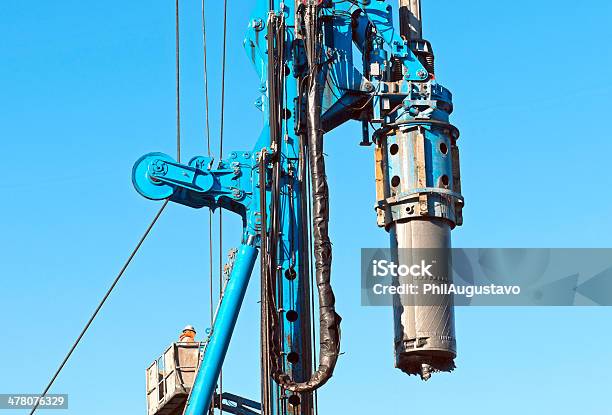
(206, 379)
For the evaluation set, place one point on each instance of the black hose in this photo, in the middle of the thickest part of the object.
(329, 320)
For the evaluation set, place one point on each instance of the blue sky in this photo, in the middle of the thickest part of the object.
(88, 87)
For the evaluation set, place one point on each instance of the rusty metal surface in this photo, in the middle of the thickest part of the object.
(171, 376)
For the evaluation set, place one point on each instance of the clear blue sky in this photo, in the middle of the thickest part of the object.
(87, 87)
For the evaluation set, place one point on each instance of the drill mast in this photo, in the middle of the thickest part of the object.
(321, 63)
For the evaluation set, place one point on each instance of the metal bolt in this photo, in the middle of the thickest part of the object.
(422, 74)
(160, 167)
(257, 24)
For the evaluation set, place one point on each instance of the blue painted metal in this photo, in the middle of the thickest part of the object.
(293, 294)
(419, 128)
(399, 94)
(232, 184)
(206, 380)
(364, 55)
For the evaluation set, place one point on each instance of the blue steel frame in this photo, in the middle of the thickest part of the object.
(356, 88)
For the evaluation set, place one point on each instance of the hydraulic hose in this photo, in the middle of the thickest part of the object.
(329, 320)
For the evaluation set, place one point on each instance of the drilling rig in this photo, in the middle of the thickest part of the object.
(320, 63)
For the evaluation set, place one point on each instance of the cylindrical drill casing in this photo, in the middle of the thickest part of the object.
(418, 188)
(424, 328)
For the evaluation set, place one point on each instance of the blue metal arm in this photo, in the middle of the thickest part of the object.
(230, 186)
(218, 343)
(391, 87)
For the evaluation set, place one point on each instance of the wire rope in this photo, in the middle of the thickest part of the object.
(100, 305)
(221, 132)
(178, 83)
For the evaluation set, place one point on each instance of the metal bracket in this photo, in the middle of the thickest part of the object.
(237, 405)
(197, 184)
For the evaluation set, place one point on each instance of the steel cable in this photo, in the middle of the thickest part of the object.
(178, 84)
(145, 234)
(209, 153)
(221, 131)
(100, 304)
